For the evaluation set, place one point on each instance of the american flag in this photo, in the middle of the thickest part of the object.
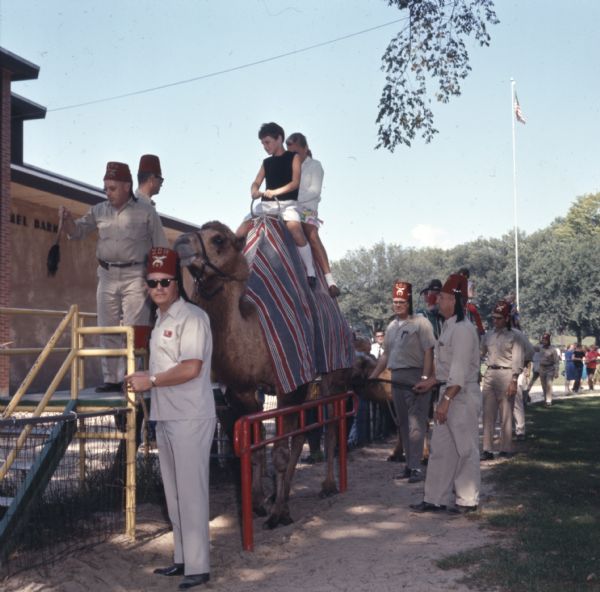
(518, 113)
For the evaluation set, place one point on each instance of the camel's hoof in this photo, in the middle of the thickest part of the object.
(328, 492)
(286, 520)
(259, 511)
(271, 523)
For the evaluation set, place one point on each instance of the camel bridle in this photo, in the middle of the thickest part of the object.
(198, 272)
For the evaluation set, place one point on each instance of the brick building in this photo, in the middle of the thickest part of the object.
(29, 202)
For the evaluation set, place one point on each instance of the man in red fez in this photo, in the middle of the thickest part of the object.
(184, 410)
(127, 228)
(408, 353)
(505, 353)
(472, 310)
(453, 466)
(149, 177)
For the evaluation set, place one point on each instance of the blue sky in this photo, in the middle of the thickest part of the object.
(453, 190)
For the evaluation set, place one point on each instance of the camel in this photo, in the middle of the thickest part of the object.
(241, 360)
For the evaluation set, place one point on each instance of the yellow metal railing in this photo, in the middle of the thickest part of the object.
(74, 362)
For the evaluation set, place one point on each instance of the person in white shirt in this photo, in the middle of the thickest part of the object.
(377, 346)
(183, 407)
(309, 196)
(453, 469)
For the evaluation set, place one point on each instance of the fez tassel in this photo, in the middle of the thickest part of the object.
(53, 258)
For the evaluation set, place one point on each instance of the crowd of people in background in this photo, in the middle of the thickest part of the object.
(431, 379)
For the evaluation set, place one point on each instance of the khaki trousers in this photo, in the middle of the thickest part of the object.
(547, 378)
(519, 407)
(495, 399)
(120, 297)
(184, 453)
(454, 458)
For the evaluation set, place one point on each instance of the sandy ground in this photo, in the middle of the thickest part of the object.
(363, 540)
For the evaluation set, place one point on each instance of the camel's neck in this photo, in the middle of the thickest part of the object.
(228, 319)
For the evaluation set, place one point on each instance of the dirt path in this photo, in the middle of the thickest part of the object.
(363, 540)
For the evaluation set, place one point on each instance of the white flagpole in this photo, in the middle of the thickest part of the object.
(516, 226)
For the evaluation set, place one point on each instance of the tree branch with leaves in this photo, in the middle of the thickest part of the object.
(429, 51)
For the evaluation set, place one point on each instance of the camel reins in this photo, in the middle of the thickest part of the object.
(206, 262)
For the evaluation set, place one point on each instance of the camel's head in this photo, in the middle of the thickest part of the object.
(212, 253)
(377, 391)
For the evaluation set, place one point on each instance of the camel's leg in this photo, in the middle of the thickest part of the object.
(282, 462)
(258, 494)
(329, 486)
(279, 513)
(243, 403)
(296, 451)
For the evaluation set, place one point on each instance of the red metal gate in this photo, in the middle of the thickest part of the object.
(248, 437)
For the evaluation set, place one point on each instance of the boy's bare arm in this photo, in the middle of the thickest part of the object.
(255, 191)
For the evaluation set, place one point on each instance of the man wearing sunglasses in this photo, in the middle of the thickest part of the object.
(184, 410)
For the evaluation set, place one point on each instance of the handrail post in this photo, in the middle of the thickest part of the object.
(340, 405)
(245, 453)
(75, 346)
(130, 484)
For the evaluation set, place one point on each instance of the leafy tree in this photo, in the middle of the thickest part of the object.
(582, 219)
(430, 49)
(563, 288)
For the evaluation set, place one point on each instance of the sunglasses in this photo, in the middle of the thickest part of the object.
(164, 283)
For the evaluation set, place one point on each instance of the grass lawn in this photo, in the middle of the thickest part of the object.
(546, 509)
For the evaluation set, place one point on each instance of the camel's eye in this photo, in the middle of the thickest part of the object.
(218, 240)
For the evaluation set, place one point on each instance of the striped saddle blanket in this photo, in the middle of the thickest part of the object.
(305, 330)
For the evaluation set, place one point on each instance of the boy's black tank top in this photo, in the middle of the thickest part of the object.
(278, 172)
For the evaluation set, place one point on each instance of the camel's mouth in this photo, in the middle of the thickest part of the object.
(184, 248)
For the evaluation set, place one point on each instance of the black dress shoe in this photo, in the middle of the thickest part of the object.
(404, 475)
(194, 580)
(486, 455)
(109, 387)
(426, 507)
(462, 509)
(506, 454)
(173, 570)
(416, 475)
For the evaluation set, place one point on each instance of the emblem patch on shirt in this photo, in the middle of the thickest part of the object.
(167, 333)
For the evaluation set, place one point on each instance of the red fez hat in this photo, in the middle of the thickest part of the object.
(402, 290)
(117, 171)
(502, 308)
(150, 163)
(162, 260)
(457, 284)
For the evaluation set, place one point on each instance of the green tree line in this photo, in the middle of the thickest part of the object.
(559, 273)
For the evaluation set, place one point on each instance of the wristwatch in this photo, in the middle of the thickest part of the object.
(153, 380)
(447, 398)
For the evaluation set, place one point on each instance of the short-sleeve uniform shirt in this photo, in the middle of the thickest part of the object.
(406, 342)
(182, 333)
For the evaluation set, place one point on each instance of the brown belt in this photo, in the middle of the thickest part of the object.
(107, 265)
